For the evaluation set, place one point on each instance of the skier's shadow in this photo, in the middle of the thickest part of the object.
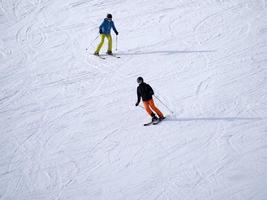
(170, 52)
(227, 119)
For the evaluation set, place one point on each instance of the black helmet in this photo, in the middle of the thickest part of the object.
(109, 16)
(140, 80)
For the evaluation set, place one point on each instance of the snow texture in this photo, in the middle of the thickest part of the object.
(69, 128)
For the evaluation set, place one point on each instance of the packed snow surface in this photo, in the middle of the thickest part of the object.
(69, 128)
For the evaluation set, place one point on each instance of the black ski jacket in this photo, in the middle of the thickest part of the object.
(145, 91)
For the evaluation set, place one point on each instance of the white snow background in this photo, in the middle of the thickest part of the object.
(69, 129)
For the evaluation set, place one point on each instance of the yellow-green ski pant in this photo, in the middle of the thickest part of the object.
(102, 38)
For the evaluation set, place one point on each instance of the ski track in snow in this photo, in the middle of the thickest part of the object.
(69, 127)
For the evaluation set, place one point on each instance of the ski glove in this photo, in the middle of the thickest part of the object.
(137, 104)
(100, 31)
(116, 32)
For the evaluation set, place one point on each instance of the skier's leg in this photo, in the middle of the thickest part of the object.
(99, 46)
(147, 108)
(149, 111)
(152, 105)
(109, 43)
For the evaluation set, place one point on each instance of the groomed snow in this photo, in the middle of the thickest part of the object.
(69, 129)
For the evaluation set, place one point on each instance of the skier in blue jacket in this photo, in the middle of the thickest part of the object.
(104, 30)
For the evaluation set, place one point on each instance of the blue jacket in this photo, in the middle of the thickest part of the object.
(106, 26)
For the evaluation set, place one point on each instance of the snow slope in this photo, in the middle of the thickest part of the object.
(70, 130)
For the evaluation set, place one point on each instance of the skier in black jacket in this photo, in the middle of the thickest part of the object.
(145, 92)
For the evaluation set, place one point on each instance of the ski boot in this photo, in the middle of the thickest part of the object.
(154, 117)
(161, 118)
(109, 53)
(96, 54)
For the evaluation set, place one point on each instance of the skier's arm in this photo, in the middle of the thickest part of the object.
(138, 97)
(150, 90)
(100, 27)
(114, 28)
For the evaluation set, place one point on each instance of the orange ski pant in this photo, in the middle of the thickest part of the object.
(150, 105)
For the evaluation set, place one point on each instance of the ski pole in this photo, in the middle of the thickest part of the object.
(92, 42)
(116, 42)
(164, 104)
(141, 107)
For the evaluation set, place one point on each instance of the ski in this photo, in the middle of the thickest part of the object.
(158, 121)
(155, 122)
(116, 56)
(99, 56)
(113, 55)
(148, 124)
(104, 56)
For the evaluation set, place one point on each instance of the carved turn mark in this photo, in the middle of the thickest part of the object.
(202, 86)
